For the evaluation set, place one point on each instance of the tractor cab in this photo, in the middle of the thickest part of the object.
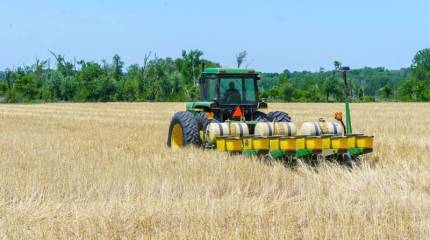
(233, 92)
(226, 96)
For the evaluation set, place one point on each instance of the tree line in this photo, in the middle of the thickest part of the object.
(368, 85)
(168, 79)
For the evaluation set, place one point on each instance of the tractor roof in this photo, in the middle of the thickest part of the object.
(229, 71)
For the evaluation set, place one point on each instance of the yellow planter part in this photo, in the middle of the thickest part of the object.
(247, 143)
(260, 143)
(313, 143)
(220, 144)
(300, 142)
(365, 142)
(274, 143)
(339, 142)
(233, 144)
(287, 144)
(326, 141)
(352, 140)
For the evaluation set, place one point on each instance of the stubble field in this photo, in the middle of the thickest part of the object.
(103, 171)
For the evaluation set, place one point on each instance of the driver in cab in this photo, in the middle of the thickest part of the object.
(231, 95)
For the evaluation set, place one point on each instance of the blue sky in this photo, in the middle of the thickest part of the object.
(278, 35)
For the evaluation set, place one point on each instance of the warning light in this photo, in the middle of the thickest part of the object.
(237, 112)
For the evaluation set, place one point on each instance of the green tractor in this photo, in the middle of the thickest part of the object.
(230, 118)
(225, 95)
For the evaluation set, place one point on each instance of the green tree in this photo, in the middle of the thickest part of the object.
(286, 87)
(421, 73)
(421, 65)
(53, 81)
(241, 58)
(190, 66)
(337, 65)
(64, 67)
(46, 94)
(331, 88)
(128, 87)
(105, 88)
(386, 92)
(87, 77)
(68, 88)
(417, 86)
(117, 65)
(25, 86)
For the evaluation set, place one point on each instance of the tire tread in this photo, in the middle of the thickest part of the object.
(189, 126)
(279, 116)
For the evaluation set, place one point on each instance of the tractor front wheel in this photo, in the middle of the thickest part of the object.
(278, 116)
(260, 117)
(183, 131)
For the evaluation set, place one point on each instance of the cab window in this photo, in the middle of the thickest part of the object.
(209, 89)
(231, 90)
(250, 90)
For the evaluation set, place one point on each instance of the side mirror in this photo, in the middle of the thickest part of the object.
(215, 103)
(262, 105)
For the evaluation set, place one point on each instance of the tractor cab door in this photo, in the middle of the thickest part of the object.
(208, 89)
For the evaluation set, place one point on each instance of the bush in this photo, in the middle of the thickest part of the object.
(369, 99)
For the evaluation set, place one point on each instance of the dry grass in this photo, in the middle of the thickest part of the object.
(103, 171)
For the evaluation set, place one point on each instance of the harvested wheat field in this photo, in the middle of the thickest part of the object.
(103, 171)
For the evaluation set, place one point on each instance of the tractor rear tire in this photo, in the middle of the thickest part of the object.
(278, 116)
(183, 131)
(261, 117)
